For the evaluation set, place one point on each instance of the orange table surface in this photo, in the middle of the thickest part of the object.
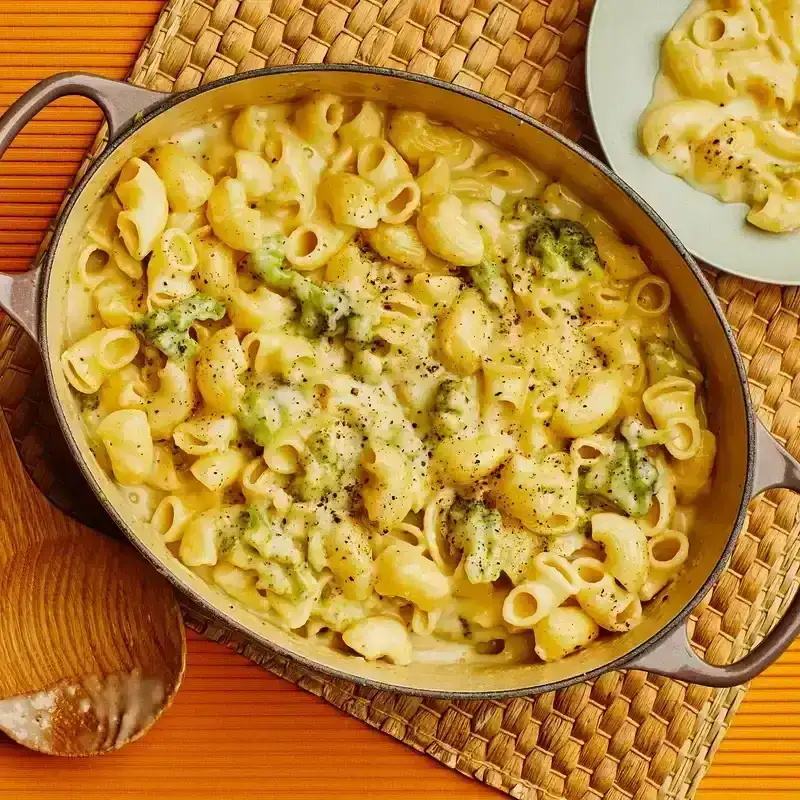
(236, 731)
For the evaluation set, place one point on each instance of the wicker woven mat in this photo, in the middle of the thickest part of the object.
(624, 735)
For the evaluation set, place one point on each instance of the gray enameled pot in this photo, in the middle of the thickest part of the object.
(749, 461)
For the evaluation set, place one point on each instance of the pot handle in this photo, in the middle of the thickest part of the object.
(121, 103)
(673, 655)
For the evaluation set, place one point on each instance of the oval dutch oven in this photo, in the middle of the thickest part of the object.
(749, 461)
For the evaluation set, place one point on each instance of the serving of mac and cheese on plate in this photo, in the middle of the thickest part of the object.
(695, 109)
(386, 386)
(723, 115)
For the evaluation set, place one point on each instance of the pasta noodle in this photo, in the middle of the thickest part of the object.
(389, 387)
(144, 199)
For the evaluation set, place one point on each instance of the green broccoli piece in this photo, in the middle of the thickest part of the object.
(255, 516)
(785, 170)
(230, 532)
(168, 328)
(638, 435)
(264, 531)
(89, 402)
(627, 478)
(520, 548)
(454, 408)
(558, 244)
(262, 414)
(490, 281)
(336, 610)
(331, 462)
(477, 531)
(360, 332)
(663, 361)
(302, 582)
(323, 309)
(257, 416)
(267, 263)
(265, 410)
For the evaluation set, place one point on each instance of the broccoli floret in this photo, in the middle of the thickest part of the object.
(663, 361)
(785, 170)
(323, 309)
(167, 328)
(360, 331)
(477, 531)
(331, 462)
(520, 548)
(267, 263)
(627, 478)
(264, 531)
(490, 281)
(257, 416)
(336, 610)
(560, 244)
(230, 532)
(454, 409)
(89, 402)
(264, 410)
(255, 516)
(302, 584)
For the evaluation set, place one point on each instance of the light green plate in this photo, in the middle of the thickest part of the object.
(622, 60)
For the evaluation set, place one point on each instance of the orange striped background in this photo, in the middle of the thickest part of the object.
(236, 731)
(38, 38)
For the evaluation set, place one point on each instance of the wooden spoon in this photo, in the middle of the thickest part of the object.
(92, 645)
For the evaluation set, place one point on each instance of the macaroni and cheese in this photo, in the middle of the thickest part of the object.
(387, 386)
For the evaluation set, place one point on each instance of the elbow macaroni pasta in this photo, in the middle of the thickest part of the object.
(170, 269)
(144, 199)
(387, 386)
(231, 218)
(187, 184)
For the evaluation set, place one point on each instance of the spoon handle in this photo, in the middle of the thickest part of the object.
(25, 516)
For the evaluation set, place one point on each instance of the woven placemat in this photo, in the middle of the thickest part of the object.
(626, 734)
